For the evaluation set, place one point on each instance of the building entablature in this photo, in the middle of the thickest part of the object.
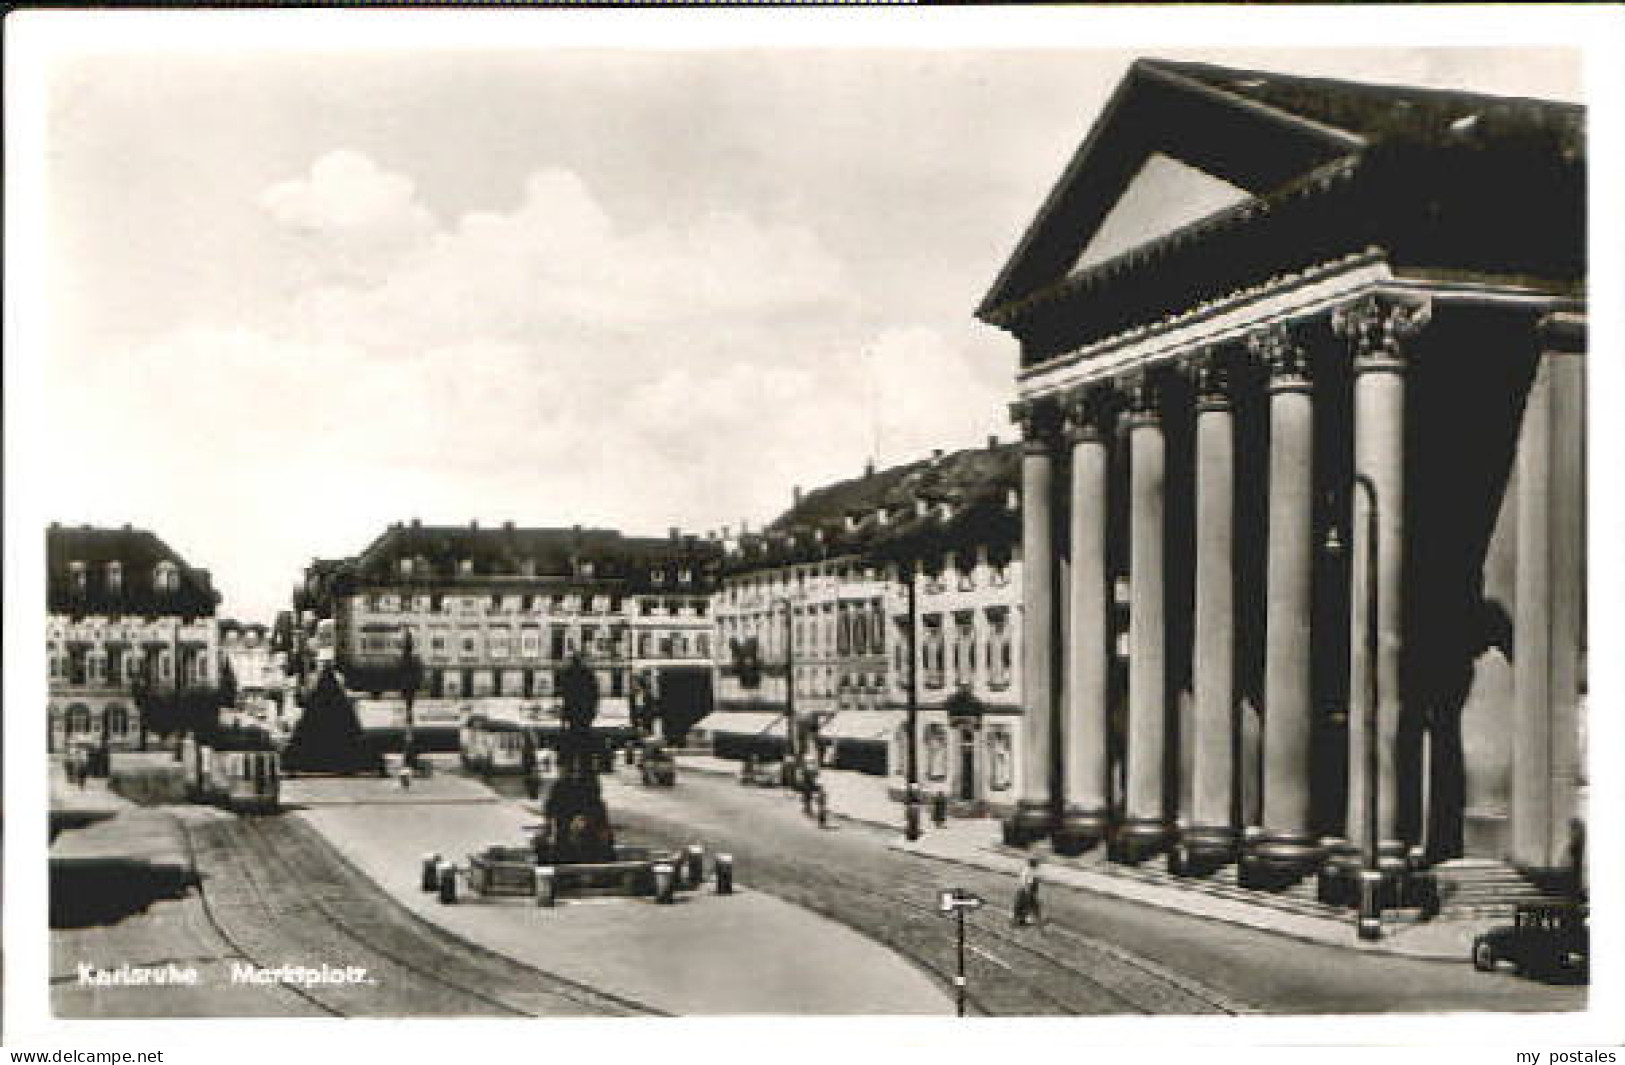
(1238, 344)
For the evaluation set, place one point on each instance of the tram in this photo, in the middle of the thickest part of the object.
(238, 774)
(495, 746)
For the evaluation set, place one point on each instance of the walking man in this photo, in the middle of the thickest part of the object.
(1026, 906)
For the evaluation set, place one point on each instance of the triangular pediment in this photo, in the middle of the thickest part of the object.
(1162, 196)
(1167, 151)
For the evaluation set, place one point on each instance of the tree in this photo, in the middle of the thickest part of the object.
(328, 738)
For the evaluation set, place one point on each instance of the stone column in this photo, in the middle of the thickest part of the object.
(1211, 838)
(1550, 609)
(1085, 813)
(1034, 816)
(1146, 825)
(1287, 848)
(1376, 327)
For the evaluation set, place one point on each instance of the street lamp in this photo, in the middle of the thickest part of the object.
(1369, 921)
(911, 757)
(789, 679)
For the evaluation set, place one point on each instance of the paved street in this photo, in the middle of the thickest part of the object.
(1097, 955)
(836, 920)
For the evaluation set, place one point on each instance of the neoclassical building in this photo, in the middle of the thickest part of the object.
(494, 611)
(122, 606)
(1302, 392)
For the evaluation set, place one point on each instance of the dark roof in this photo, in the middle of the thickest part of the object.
(1333, 168)
(1376, 112)
(884, 511)
(600, 559)
(138, 553)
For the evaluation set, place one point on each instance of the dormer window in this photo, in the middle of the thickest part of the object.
(658, 576)
(76, 571)
(465, 567)
(685, 576)
(406, 567)
(115, 576)
(165, 578)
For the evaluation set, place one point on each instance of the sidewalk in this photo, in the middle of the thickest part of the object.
(977, 842)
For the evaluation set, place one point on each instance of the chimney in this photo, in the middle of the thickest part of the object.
(725, 532)
(507, 526)
(416, 524)
(869, 468)
(796, 495)
(474, 524)
(993, 441)
(672, 533)
(936, 456)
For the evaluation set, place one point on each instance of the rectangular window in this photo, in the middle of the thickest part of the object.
(530, 643)
(499, 643)
(470, 646)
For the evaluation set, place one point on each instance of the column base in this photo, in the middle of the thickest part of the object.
(1277, 861)
(1030, 823)
(1339, 881)
(1205, 849)
(1336, 879)
(1080, 830)
(1139, 838)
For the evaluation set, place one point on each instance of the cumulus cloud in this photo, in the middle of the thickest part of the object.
(355, 217)
(543, 364)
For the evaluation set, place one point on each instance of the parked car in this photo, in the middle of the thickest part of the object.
(1544, 939)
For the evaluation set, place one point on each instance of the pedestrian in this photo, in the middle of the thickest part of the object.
(1026, 907)
(821, 798)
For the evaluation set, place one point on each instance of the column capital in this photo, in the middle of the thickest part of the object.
(1040, 421)
(1142, 393)
(1285, 358)
(1377, 325)
(1211, 372)
(1088, 408)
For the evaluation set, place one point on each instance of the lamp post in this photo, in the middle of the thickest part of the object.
(789, 677)
(411, 677)
(911, 756)
(1369, 920)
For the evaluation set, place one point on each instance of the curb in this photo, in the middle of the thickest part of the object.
(1169, 904)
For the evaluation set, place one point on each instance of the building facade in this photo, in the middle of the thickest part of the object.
(125, 613)
(898, 587)
(257, 673)
(494, 612)
(1302, 395)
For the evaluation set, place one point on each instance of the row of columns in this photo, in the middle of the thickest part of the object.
(1375, 329)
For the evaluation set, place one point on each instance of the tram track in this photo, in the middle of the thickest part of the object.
(274, 892)
(1011, 972)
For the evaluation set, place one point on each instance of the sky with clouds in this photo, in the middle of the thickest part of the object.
(295, 296)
